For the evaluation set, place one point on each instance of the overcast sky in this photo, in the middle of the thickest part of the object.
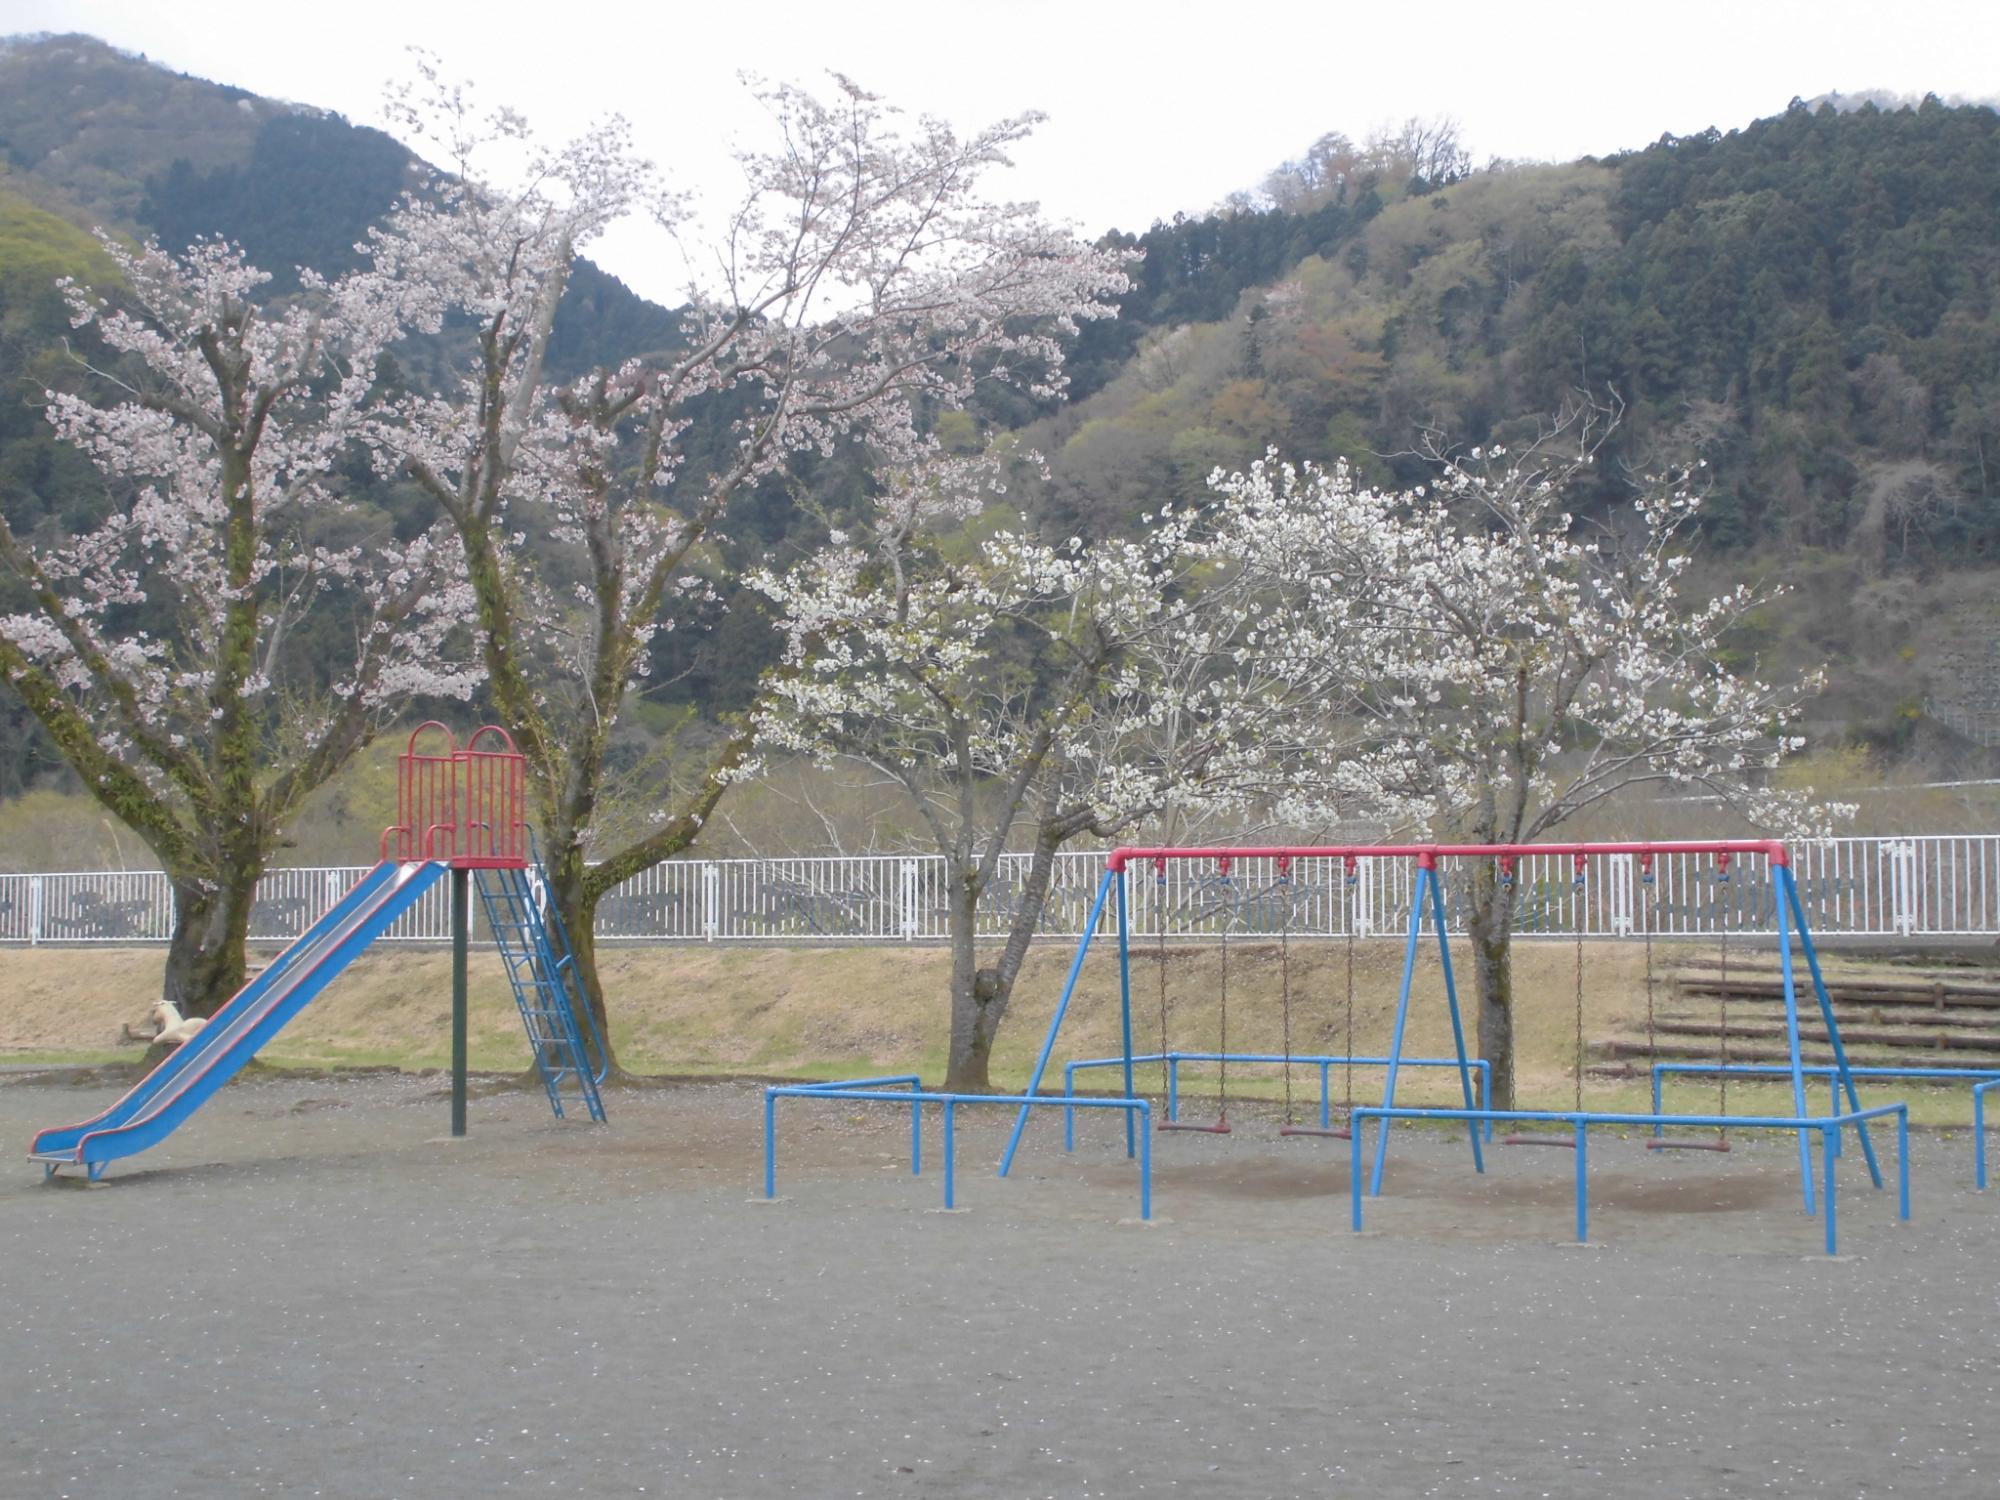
(1152, 108)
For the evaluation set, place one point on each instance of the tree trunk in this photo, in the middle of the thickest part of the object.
(1491, 931)
(979, 997)
(977, 1002)
(205, 959)
(576, 903)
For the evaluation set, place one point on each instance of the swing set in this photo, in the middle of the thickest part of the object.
(1527, 1127)
(1284, 895)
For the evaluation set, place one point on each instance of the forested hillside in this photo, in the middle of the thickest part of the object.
(1807, 304)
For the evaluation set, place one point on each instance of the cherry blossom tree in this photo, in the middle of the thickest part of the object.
(159, 647)
(1512, 669)
(1024, 694)
(864, 283)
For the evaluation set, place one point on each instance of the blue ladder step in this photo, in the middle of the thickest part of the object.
(541, 971)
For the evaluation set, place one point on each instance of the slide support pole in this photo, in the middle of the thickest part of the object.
(461, 938)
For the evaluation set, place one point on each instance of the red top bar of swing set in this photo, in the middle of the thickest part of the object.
(1427, 855)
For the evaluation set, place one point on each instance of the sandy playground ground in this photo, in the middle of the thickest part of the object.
(306, 1292)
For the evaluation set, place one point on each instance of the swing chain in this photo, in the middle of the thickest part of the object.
(1222, 867)
(1646, 920)
(1577, 922)
(1347, 1038)
(1160, 920)
(1722, 987)
(1285, 977)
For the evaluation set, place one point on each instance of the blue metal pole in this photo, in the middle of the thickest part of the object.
(1457, 1029)
(1792, 1043)
(1325, 1108)
(1069, 1110)
(1402, 1019)
(1903, 1163)
(1145, 1159)
(950, 1156)
(1831, 1156)
(1843, 1072)
(1124, 1003)
(1658, 1130)
(916, 1130)
(1355, 1129)
(1173, 1087)
(1055, 1021)
(1582, 1185)
(1979, 1138)
(770, 1145)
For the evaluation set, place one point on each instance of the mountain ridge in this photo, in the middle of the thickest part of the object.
(1808, 303)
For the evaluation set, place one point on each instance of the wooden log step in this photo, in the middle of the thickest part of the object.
(1613, 1052)
(1899, 1017)
(1938, 1040)
(1916, 991)
(1766, 990)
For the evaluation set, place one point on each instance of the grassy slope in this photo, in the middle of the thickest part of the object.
(828, 1013)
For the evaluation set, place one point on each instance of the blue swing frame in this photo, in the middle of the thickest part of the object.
(1427, 904)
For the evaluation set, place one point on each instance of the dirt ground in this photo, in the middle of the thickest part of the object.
(307, 1291)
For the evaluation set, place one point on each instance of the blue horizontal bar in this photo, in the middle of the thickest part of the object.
(1315, 1058)
(863, 1083)
(1587, 1117)
(1580, 1121)
(1324, 1061)
(1046, 1101)
(1820, 1070)
(858, 1091)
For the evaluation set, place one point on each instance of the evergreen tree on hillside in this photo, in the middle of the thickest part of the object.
(312, 186)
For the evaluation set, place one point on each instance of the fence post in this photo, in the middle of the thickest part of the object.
(1902, 857)
(909, 900)
(711, 899)
(34, 911)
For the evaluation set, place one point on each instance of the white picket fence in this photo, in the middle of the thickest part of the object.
(1929, 886)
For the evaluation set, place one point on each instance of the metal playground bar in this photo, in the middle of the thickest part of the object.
(1980, 1078)
(1828, 1127)
(1326, 1063)
(1427, 907)
(907, 1088)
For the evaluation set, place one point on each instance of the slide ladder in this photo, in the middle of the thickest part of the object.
(534, 947)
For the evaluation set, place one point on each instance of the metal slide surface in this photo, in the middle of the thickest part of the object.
(184, 1081)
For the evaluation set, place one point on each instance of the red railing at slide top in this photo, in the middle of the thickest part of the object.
(462, 804)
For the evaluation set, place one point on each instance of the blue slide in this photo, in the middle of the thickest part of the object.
(183, 1082)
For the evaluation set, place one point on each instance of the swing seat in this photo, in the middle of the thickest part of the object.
(1661, 1143)
(1337, 1133)
(1568, 1142)
(1220, 1127)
